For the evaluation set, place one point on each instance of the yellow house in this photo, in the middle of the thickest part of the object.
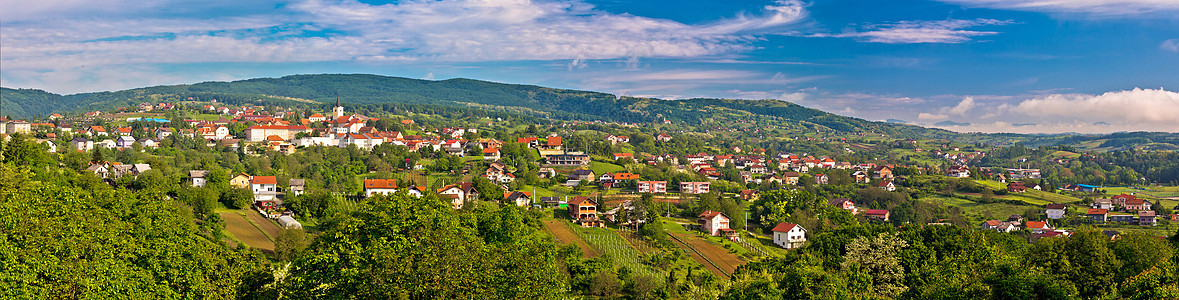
(241, 180)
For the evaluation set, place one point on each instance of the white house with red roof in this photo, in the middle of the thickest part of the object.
(265, 188)
(789, 236)
(380, 186)
(887, 185)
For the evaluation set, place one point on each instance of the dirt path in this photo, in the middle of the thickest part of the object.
(243, 231)
(561, 231)
(727, 262)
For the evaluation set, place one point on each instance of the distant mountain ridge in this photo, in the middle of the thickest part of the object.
(365, 89)
(374, 89)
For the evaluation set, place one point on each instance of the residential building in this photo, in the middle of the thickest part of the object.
(1147, 218)
(789, 236)
(265, 188)
(886, 185)
(1056, 211)
(844, 203)
(584, 211)
(241, 180)
(81, 144)
(567, 160)
(296, 186)
(715, 223)
(380, 186)
(1097, 215)
(521, 199)
(583, 175)
(654, 187)
(877, 214)
(198, 177)
(694, 187)
(1038, 226)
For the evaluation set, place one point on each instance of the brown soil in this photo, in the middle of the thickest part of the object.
(243, 231)
(269, 227)
(561, 231)
(717, 254)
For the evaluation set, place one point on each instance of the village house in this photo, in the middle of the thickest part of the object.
(614, 140)
(583, 175)
(198, 177)
(567, 160)
(379, 186)
(1016, 187)
(459, 193)
(81, 144)
(663, 137)
(959, 172)
(1056, 211)
(521, 199)
(694, 187)
(241, 180)
(790, 178)
(1147, 218)
(296, 186)
(882, 172)
(1137, 204)
(1097, 215)
(654, 187)
(1000, 226)
(789, 236)
(491, 154)
(1106, 204)
(877, 214)
(584, 211)
(821, 179)
(1038, 226)
(749, 195)
(844, 203)
(886, 185)
(630, 156)
(716, 223)
(265, 188)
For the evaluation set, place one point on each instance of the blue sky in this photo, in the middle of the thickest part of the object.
(1000, 65)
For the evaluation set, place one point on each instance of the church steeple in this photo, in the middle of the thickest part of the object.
(338, 111)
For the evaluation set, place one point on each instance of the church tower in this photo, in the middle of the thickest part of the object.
(338, 111)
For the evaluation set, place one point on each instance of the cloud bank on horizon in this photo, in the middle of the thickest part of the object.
(1001, 65)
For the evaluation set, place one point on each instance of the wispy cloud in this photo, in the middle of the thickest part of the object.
(1086, 7)
(918, 32)
(349, 30)
(1170, 45)
(1128, 110)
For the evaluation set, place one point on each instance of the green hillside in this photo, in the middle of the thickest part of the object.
(362, 89)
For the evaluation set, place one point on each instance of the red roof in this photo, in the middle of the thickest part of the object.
(784, 227)
(712, 214)
(884, 183)
(581, 199)
(490, 150)
(1037, 224)
(380, 183)
(876, 212)
(1095, 211)
(264, 180)
(554, 141)
(287, 127)
(526, 140)
(316, 116)
(624, 154)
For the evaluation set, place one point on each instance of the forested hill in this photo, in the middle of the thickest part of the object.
(373, 89)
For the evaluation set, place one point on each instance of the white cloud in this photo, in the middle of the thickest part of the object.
(1143, 106)
(1170, 45)
(348, 30)
(966, 105)
(917, 32)
(1089, 7)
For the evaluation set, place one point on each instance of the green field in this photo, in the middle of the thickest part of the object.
(601, 167)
